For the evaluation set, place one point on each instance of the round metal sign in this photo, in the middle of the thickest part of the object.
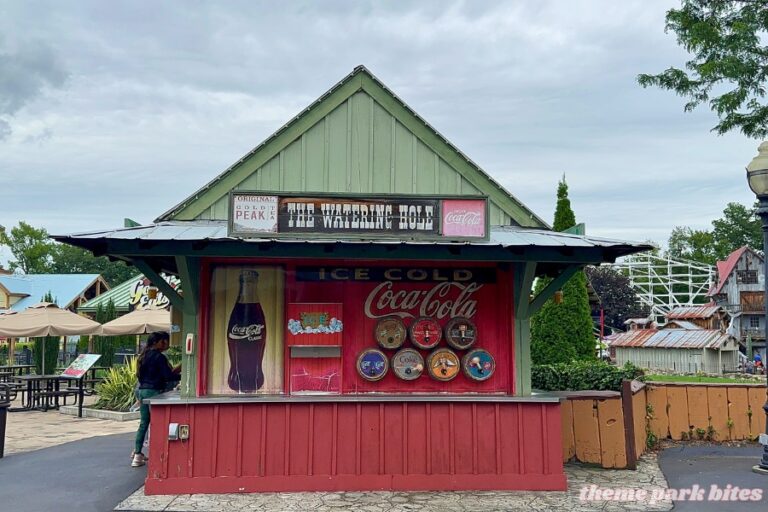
(461, 333)
(390, 332)
(443, 364)
(408, 364)
(425, 332)
(372, 364)
(478, 364)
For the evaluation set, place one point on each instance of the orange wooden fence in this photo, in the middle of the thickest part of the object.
(612, 429)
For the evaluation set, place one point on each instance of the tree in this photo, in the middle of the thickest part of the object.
(729, 65)
(47, 346)
(739, 226)
(689, 244)
(68, 259)
(618, 299)
(563, 332)
(32, 249)
(105, 345)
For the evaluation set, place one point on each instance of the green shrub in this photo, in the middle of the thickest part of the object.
(174, 355)
(116, 393)
(582, 375)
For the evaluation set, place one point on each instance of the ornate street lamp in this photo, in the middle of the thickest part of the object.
(757, 176)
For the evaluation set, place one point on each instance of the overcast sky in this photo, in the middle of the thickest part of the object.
(122, 109)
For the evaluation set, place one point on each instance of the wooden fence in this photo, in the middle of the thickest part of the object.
(612, 429)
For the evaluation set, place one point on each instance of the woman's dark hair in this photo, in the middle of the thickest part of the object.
(152, 340)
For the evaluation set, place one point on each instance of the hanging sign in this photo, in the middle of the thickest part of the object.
(408, 364)
(478, 364)
(358, 216)
(390, 332)
(425, 332)
(461, 333)
(443, 364)
(372, 364)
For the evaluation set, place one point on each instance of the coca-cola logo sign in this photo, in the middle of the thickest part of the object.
(443, 300)
(251, 332)
(464, 218)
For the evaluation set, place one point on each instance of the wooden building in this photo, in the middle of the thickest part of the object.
(740, 289)
(388, 281)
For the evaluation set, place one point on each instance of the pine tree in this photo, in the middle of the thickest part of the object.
(563, 332)
(105, 345)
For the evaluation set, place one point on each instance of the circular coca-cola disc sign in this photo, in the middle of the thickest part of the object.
(478, 364)
(372, 364)
(460, 333)
(408, 364)
(443, 364)
(425, 332)
(390, 332)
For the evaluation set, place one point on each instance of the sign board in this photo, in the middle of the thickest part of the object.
(141, 297)
(82, 364)
(357, 216)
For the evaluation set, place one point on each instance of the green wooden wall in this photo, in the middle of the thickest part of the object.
(358, 147)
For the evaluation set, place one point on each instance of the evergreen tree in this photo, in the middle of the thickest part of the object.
(105, 345)
(563, 332)
(48, 345)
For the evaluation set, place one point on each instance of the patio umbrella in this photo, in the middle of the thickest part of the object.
(46, 319)
(139, 321)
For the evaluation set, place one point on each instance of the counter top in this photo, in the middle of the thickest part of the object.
(174, 398)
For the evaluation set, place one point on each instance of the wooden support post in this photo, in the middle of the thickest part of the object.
(524, 275)
(189, 274)
(629, 423)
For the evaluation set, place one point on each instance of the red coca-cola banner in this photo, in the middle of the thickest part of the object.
(368, 294)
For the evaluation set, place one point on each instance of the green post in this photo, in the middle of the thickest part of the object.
(189, 273)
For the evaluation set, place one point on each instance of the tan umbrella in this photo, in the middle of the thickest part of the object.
(139, 321)
(46, 319)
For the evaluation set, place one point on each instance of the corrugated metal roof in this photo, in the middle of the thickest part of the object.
(120, 296)
(685, 324)
(65, 288)
(504, 236)
(671, 338)
(724, 268)
(689, 312)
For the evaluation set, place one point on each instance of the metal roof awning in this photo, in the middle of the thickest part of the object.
(167, 239)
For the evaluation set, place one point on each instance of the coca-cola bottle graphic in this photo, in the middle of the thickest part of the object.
(246, 337)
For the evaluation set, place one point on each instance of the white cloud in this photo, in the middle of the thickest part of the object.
(138, 104)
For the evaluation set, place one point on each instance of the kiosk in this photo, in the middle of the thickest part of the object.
(355, 313)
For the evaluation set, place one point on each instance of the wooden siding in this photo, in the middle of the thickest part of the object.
(358, 148)
(349, 446)
(679, 360)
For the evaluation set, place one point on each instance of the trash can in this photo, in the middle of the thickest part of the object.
(5, 404)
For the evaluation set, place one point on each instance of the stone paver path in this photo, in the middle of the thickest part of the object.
(648, 477)
(33, 430)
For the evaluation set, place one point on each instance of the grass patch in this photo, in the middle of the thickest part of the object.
(699, 378)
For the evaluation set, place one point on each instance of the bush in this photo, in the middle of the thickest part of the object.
(582, 375)
(116, 393)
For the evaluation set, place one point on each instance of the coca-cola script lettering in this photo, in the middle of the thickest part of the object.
(251, 332)
(441, 301)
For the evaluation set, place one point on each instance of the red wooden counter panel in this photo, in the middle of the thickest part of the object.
(317, 446)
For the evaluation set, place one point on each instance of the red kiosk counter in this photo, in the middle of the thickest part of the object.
(370, 331)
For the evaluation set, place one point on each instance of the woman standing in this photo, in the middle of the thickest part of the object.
(155, 376)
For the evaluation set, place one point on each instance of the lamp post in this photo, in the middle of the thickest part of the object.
(757, 176)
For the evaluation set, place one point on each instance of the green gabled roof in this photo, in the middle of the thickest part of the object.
(359, 80)
(120, 295)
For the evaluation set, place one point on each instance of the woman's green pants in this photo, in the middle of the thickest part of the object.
(144, 423)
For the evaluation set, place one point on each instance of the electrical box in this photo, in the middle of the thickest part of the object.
(183, 432)
(173, 431)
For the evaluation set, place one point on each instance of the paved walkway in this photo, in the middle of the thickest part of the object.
(648, 477)
(33, 430)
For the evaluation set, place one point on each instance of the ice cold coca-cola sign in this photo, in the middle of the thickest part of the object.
(410, 292)
(391, 216)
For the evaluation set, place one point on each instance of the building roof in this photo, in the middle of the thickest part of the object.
(725, 268)
(65, 288)
(684, 324)
(359, 79)
(120, 296)
(671, 338)
(693, 312)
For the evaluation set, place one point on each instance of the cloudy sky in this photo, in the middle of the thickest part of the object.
(122, 109)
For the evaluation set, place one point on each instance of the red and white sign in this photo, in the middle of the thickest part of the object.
(254, 214)
(464, 217)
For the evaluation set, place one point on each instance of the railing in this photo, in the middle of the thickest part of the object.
(754, 333)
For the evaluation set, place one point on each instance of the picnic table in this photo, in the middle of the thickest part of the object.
(43, 392)
(17, 369)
